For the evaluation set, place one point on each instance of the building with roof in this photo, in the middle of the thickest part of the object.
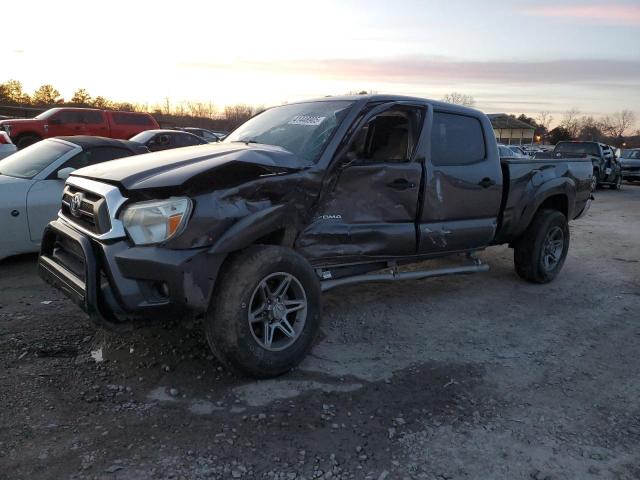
(511, 131)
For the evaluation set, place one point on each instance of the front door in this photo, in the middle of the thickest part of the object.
(463, 185)
(371, 208)
(66, 122)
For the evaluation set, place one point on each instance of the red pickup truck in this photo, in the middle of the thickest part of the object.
(77, 121)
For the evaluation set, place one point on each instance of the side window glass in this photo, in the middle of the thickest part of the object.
(91, 117)
(456, 139)
(95, 155)
(388, 137)
(104, 154)
(68, 116)
(82, 159)
(185, 140)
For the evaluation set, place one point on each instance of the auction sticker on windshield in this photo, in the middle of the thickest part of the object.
(312, 120)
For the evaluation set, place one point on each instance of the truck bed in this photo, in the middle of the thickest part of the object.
(524, 179)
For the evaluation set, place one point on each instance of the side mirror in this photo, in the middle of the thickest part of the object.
(64, 173)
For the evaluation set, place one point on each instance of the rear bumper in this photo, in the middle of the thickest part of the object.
(118, 285)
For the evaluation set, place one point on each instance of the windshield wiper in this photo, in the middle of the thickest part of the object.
(247, 142)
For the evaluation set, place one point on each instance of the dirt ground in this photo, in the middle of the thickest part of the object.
(473, 377)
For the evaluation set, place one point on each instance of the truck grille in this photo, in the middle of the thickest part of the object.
(86, 209)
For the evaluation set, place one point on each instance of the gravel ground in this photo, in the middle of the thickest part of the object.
(474, 377)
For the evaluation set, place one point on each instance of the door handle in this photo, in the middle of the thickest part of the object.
(401, 184)
(486, 182)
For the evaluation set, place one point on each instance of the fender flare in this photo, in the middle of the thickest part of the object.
(558, 186)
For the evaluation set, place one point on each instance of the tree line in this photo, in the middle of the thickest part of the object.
(572, 125)
(12, 93)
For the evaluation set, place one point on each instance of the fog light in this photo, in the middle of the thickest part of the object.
(161, 289)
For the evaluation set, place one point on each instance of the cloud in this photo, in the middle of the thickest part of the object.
(600, 13)
(423, 70)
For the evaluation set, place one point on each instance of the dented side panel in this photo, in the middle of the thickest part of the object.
(369, 211)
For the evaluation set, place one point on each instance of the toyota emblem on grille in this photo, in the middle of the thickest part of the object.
(74, 205)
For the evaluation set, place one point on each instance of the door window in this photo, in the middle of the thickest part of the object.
(456, 139)
(91, 157)
(92, 117)
(182, 140)
(68, 116)
(388, 137)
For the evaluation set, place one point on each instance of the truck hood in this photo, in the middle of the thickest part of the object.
(16, 121)
(189, 165)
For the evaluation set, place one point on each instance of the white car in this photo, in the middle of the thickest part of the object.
(7, 147)
(32, 180)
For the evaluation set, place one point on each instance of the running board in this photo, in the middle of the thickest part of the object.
(395, 275)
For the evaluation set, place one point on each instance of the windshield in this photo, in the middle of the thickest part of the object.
(143, 137)
(302, 128)
(47, 114)
(577, 147)
(30, 161)
(630, 154)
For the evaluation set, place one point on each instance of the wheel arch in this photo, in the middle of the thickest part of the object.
(271, 226)
(557, 194)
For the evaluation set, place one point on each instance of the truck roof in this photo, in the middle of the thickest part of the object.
(393, 98)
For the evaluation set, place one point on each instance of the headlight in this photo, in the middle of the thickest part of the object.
(157, 220)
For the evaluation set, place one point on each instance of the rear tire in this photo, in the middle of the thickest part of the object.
(594, 181)
(253, 332)
(26, 140)
(541, 251)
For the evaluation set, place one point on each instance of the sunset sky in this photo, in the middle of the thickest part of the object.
(513, 56)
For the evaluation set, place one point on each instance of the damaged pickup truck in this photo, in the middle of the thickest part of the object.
(302, 198)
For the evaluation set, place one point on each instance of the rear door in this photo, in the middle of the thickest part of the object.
(463, 186)
(44, 197)
(95, 123)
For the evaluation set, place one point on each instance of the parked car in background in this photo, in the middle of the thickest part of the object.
(57, 122)
(32, 180)
(630, 164)
(156, 140)
(506, 152)
(7, 147)
(303, 198)
(208, 135)
(519, 151)
(606, 167)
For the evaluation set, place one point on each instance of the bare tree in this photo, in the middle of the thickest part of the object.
(458, 98)
(570, 122)
(544, 119)
(238, 114)
(618, 123)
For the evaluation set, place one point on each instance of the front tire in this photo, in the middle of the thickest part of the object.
(26, 140)
(265, 312)
(618, 184)
(541, 251)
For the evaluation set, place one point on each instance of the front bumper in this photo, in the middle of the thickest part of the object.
(118, 284)
(631, 172)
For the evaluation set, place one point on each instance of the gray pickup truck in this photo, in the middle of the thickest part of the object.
(302, 198)
(606, 166)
